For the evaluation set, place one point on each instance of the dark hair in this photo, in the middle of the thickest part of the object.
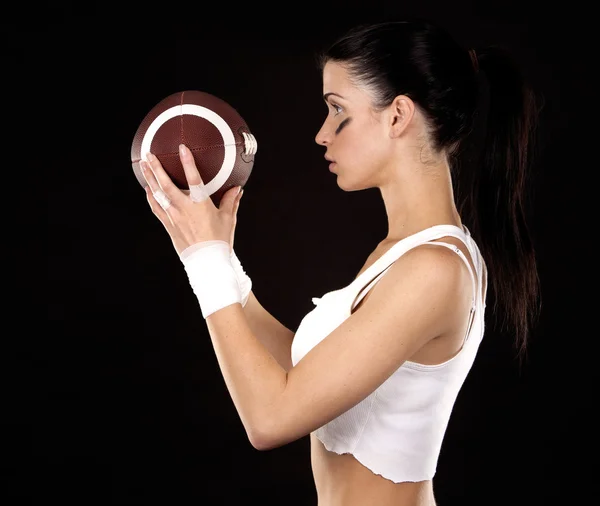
(424, 62)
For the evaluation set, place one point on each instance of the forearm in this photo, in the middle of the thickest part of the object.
(270, 332)
(249, 343)
(254, 378)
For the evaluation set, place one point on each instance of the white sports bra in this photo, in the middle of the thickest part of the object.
(397, 430)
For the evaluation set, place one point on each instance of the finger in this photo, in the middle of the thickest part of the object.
(197, 192)
(149, 176)
(157, 209)
(154, 188)
(234, 221)
(228, 201)
(237, 202)
(236, 206)
(189, 166)
(163, 179)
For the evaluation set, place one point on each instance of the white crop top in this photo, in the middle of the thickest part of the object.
(397, 431)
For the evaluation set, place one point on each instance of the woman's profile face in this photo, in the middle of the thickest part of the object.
(355, 136)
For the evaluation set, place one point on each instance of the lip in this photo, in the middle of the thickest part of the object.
(332, 165)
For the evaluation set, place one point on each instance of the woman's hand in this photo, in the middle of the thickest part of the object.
(189, 217)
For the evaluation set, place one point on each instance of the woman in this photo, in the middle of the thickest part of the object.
(373, 371)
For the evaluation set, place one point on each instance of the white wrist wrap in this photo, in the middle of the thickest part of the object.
(211, 275)
(243, 279)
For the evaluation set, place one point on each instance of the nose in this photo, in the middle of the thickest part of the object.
(323, 137)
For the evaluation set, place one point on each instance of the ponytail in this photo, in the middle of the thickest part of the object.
(497, 201)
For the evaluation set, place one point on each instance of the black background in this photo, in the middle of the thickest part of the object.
(128, 405)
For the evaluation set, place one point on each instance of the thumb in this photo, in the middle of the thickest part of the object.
(236, 206)
(228, 202)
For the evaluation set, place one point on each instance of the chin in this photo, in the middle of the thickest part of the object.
(342, 186)
(350, 186)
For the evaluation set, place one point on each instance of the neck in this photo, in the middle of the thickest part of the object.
(417, 198)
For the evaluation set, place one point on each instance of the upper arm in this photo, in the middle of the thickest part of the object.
(410, 305)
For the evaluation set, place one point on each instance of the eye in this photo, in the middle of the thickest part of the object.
(337, 109)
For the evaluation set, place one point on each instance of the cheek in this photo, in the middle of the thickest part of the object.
(362, 147)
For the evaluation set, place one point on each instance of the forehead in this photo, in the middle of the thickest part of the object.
(337, 80)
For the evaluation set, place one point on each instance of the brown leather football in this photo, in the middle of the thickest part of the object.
(219, 138)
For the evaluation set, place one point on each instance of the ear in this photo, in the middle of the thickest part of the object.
(402, 110)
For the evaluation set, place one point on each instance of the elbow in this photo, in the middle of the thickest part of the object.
(264, 437)
(261, 445)
(261, 441)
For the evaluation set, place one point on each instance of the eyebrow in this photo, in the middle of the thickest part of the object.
(327, 95)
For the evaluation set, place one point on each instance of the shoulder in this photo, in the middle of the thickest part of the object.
(431, 280)
(428, 264)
